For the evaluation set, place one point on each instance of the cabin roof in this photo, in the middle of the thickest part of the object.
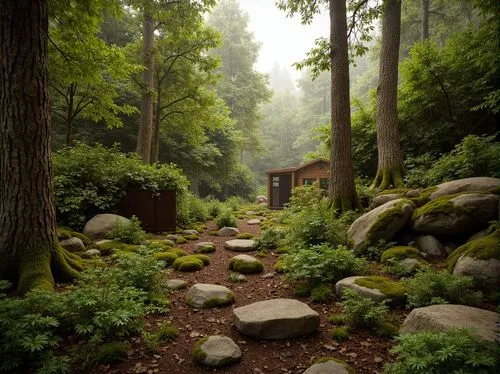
(295, 168)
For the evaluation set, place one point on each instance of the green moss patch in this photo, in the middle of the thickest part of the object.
(482, 249)
(219, 301)
(400, 253)
(108, 247)
(394, 291)
(205, 249)
(384, 219)
(161, 242)
(198, 354)
(66, 233)
(244, 235)
(246, 267)
(444, 205)
(191, 237)
(181, 240)
(111, 353)
(178, 251)
(395, 191)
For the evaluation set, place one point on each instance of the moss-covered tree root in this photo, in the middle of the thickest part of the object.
(386, 178)
(42, 268)
(344, 204)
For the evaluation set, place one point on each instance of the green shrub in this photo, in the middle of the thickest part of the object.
(241, 183)
(167, 332)
(128, 232)
(453, 351)
(339, 333)
(321, 293)
(271, 238)
(246, 267)
(197, 208)
(361, 311)
(474, 156)
(302, 290)
(321, 264)
(226, 218)
(375, 251)
(30, 330)
(337, 319)
(214, 207)
(111, 353)
(429, 288)
(387, 330)
(89, 180)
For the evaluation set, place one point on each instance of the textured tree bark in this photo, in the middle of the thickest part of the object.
(29, 251)
(425, 20)
(390, 156)
(155, 142)
(342, 192)
(144, 138)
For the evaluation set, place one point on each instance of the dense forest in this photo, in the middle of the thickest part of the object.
(141, 149)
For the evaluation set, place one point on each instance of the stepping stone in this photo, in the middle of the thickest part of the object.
(254, 222)
(204, 295)
(176, 284)
(439, 318)
(329, 367)
(216, 351)
(276, 319)
(241, 245)
(246, 264)
(91, 253)
(73, 244)
(190, 232)
(204, 247)
(229, 231)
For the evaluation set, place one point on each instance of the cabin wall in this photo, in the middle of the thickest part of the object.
(315, 171)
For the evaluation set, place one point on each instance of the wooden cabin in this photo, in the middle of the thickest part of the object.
(281, 181)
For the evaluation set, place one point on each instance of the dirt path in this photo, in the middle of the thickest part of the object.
(364, 350)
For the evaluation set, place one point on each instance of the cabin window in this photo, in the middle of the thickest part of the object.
(276, 181)
(308, 181)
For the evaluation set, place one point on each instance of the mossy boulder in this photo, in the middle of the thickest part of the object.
(382, 199)
(204, 295)
(246, 264)
(164, 243)
(168, 257)
(477, 184)
(400, 253)
(216, 351)
(100, 225)
(204, 247)
(430, 245)
(377, 288)
(381, 223)
(479, 259)
(462, 213)
(191, 263)
(73, 244)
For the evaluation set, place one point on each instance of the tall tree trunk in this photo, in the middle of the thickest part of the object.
(144, 138)
(29, 250)
(425, 20)
(390, 157)
(342, 192)
(155, 143)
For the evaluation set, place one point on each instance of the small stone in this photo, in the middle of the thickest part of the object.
(269, 275)
(216, 351)
(91, 253)
(73, 244)
(176, 284)
(229, 231)
(254, 222)
(190, 232)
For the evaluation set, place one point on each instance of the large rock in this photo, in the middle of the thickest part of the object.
(376, 288)
(99, 226)
(204, 295)
(430, 245)
(329, 367)
(449, 215)
(246, 264)
(216, 351)
(438, 318)
(241, 245)
(276, 319)
(382, 199)
(382, 222)
(478, 184)
(229, 231)
(479, 259)
(73, 244)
